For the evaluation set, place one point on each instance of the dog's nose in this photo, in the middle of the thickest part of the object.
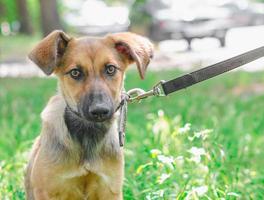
(99, 113)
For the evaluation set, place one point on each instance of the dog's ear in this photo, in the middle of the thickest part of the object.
(48, 53)
(134, 48)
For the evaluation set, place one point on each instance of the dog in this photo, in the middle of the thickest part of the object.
(77, 155)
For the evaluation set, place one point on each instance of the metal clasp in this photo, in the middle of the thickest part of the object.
(138, 94)
(158, 90)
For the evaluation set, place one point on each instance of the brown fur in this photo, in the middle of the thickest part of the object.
(56, 169)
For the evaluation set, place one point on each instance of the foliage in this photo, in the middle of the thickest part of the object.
(34, 11)
(219, 155)
(11, 177)
(9, 11)
(190, 164)
(138, 16)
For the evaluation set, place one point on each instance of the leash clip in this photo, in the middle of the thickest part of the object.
(135, 94)
(138, 94)
(158, 89)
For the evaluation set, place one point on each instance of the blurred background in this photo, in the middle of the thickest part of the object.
(186, 33)
(205, 142)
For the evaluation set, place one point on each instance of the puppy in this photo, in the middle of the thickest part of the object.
(77, 155)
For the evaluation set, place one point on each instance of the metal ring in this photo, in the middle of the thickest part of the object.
(136, 91)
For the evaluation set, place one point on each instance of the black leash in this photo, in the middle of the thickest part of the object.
(164, 88)
(211, 71)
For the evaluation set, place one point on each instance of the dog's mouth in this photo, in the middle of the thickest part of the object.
(76, 122)
(96, 106)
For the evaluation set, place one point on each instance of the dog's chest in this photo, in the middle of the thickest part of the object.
(75, 173)
(85, 180)
(83, 170)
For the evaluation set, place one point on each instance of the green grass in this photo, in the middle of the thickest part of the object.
(16, 48)
(223, 118)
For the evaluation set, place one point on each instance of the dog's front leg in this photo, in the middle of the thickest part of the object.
(111, 185)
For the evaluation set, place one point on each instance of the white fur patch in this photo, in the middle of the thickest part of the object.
(75, 173)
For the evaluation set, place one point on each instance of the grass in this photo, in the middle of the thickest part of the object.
(15, 48)
(205, 142)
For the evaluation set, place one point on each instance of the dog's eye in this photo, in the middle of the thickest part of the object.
(110, 69)
(76, 74)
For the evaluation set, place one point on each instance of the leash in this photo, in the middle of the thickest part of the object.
(164, 88)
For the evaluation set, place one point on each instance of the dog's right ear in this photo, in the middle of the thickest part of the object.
(48, 53)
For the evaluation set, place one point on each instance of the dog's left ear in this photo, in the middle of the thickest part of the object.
(48, 53)
(133, 48)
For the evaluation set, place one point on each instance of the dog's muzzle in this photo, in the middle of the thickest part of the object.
(99, 112)
(97, 107)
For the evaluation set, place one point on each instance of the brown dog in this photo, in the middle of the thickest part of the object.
(77, 155)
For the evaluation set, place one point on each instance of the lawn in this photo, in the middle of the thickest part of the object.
(15, 48)
(205, 142)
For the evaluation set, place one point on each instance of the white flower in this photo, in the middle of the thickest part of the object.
(163, 178)
(222, 153)
(185, 129)
(196, 154)
(248, 137)
(202, 134)
(165, 159)
(200, 191)
(197, 191)
(160, 126)
(185, 176)
(203, 169)
(161, 113)
(168, 161)
(148, 197)
(179, 160)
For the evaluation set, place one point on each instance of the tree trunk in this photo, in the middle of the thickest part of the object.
(25, 23)
(2, 9)
(49, 16)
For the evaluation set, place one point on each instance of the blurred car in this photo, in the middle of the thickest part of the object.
(198, 19)
(95, 17)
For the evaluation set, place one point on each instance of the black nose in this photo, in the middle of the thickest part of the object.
(99, 112)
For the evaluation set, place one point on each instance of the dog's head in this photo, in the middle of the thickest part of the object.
(91, 70)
